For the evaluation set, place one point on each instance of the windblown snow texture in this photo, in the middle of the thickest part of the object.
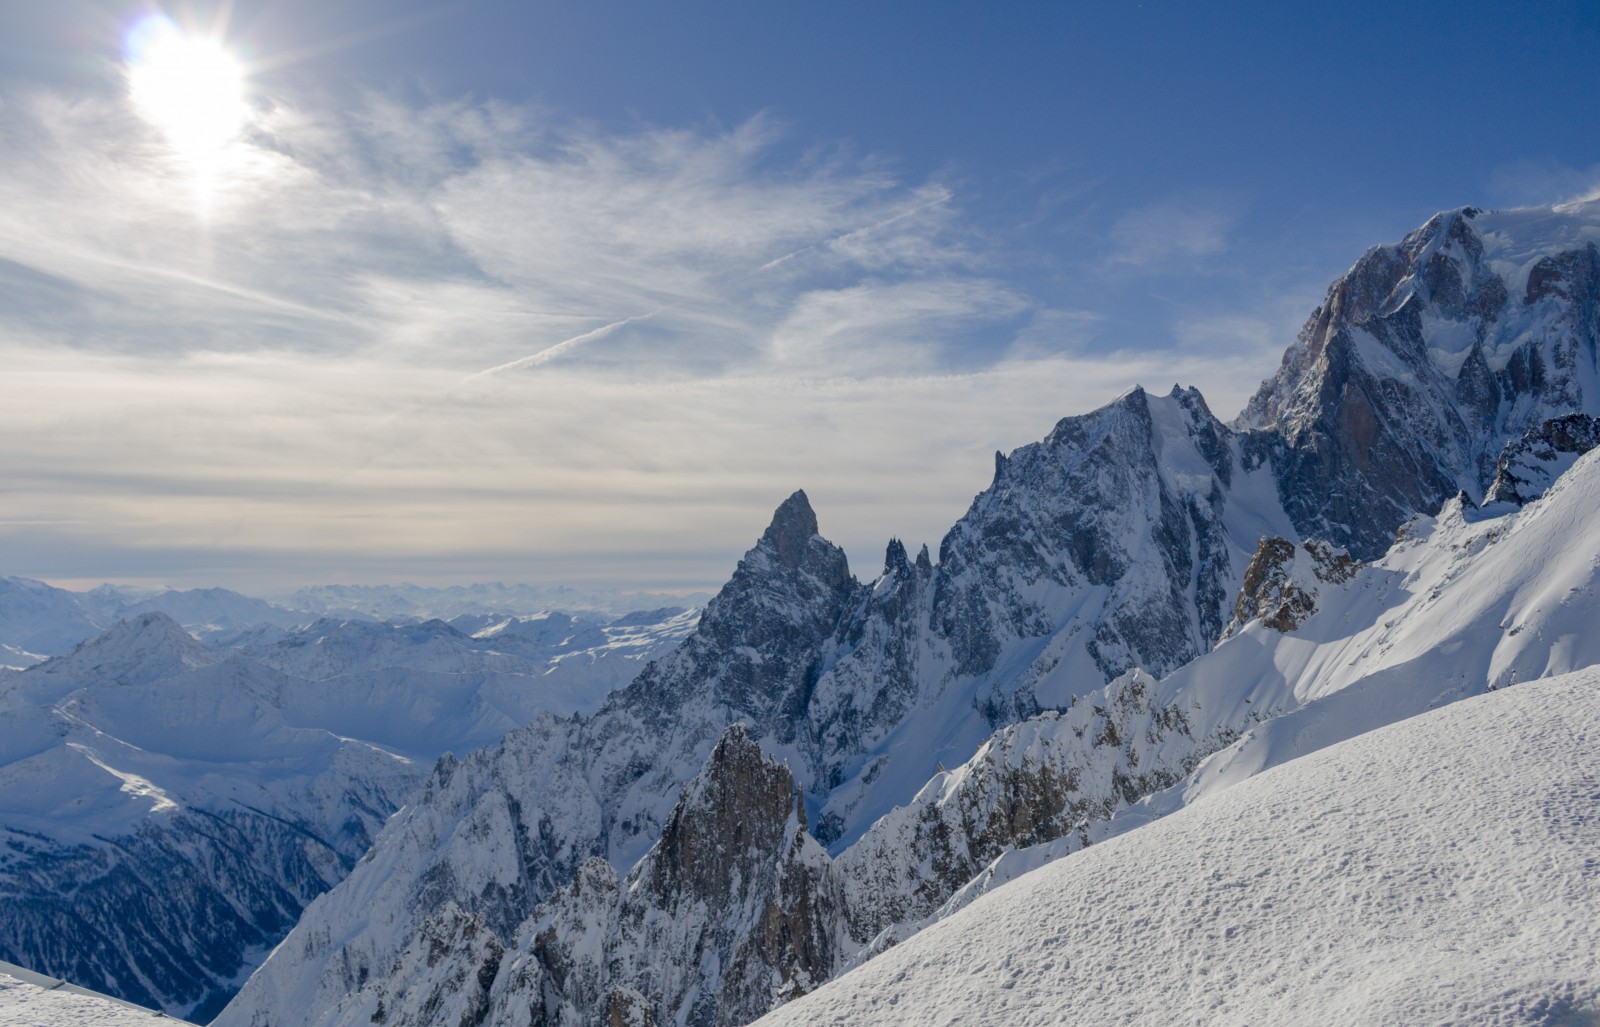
(1438, 870)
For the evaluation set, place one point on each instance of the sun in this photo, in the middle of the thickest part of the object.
(187, 86)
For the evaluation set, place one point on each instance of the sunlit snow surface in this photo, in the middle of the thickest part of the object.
(1441, 870)
(30, 1000)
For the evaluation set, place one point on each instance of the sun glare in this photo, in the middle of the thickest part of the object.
(190, 87)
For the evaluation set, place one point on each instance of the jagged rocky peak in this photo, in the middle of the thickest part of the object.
(793, 526)
(1282, 581)
(735, 810)
(895, 560)
(1424, 359)
(734, 909)
(1130, 498)
(791, 554)
(755, 645)
(1529, 465)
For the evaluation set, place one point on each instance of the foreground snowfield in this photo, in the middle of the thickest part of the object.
(31, 1000)
(1445, 869)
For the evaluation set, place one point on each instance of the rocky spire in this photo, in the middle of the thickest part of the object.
(792, 528)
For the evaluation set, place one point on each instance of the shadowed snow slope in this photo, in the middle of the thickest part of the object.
(1462, 604)
(1438, 870)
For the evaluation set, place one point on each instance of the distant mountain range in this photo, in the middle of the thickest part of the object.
(167, 808)
(38, 621)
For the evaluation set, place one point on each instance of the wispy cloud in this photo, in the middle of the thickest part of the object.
(1167, 232)
(317, 376)
(1529, 182)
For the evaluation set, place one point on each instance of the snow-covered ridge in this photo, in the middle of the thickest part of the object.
(1437, 870)
(447, 603)
(1465, 603)
(38, 621)
(160, 797)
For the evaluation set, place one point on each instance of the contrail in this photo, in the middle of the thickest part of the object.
(942, 199)
(564, 346)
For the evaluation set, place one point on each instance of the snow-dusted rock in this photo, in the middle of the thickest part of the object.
(1282, 581)
(734, 910)
(1424, 360)
(1529, 465)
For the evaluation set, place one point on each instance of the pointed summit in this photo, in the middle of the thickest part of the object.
(136, 651)
(895, 559)
(793, 525)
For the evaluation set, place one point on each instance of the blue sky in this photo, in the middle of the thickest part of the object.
(579, 291)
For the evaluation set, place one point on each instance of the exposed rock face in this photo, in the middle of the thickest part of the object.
(1422, 361)
(1282, 581)
(1529, 465)
(1032, 782)
(1097, 498)
(734, 910)
(1118, 541)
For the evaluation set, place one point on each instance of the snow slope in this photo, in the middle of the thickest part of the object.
(28, 999)
(1464, 603)
(1442, 869)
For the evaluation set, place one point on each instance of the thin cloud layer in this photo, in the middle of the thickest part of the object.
(460, 340)
(1168, 232)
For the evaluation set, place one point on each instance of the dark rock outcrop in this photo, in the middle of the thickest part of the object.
(1282, 581)
(1529, 465)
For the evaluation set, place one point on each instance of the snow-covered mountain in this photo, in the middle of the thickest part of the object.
(735, 882)
(1115, 550)
(1463, 604)
(168, 810)
(1440, 870)
(38, 621)
(1424, 360)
